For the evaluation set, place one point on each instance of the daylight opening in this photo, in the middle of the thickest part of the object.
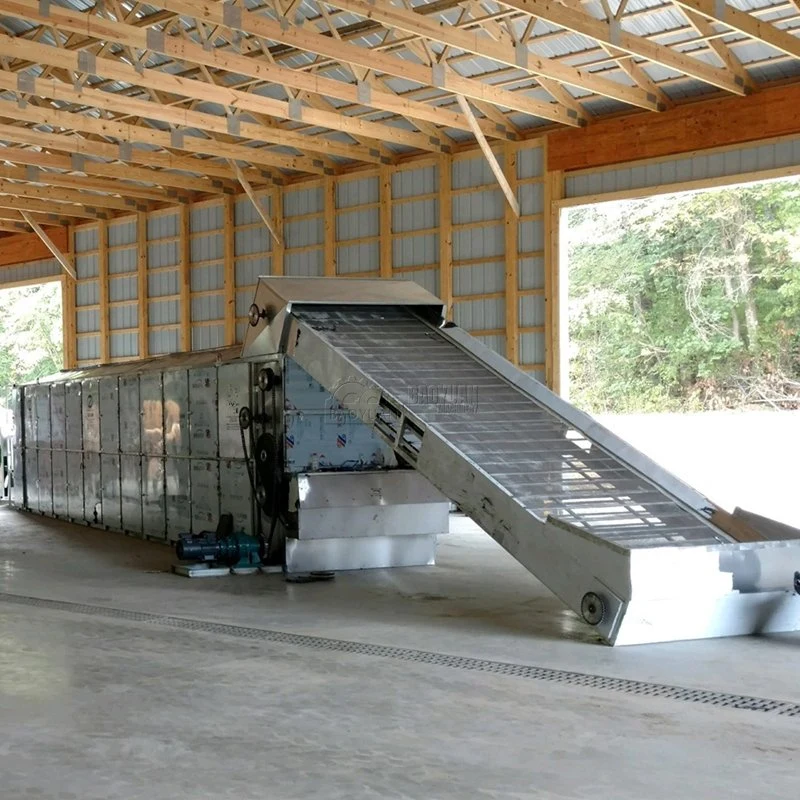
(686, 302)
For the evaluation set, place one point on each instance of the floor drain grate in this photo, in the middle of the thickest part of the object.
(530, 672)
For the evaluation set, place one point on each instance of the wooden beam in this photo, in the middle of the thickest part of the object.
(741, 21)
(490, 156)
(119, 174)
(53, 208)
(765, 114)
(24, 247)
(138, 134)
(185, 277)
(476, 42)
(125, 189)
(105, 30)
(84, 147)
(612, 34)
(554, 328)
(102, 280)
(307, 39)
(154, 79)
(254, 199)
(142, 282)
(329, 226)
(62, 259)
(229, 269)
(385, 211)
(511, 235)
(446, 233)
(62, 195)
(228, 97)
(277, 253)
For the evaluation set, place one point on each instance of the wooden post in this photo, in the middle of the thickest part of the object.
(553, 332)
(329, 222)
(102, 265)
(385, 179)
(511, 230)
(185, 278)
(446, 232)
(278, 247)
(229, 233)
(68, 287)
(141, 271)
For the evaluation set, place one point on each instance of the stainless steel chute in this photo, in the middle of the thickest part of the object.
(617, 538)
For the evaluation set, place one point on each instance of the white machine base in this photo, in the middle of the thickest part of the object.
(372, 552)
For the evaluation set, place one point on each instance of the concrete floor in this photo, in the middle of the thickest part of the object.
(97, 708)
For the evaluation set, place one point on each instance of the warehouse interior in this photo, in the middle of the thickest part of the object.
(274, 220)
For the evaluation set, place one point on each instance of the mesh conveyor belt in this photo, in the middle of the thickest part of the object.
(547, 466)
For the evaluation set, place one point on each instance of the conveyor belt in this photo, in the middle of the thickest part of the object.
(622, 542)
(542, 462)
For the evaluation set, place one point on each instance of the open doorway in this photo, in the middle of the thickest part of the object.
(684, 333)
(32, 346)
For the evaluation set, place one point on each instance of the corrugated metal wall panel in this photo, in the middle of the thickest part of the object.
(87, 320)
(496, 343)
(531, 311)
(354, 258)
(413, 182)
(530, 162)
(415, 215)
(208, 307)
(306, 262)
(164, 341)
(164, 312)
(357, 223)
(486, 204)
(252, 240)
(121, 317)
(207, 248)
(720, 164)
(122, 260)
(87, 266)
(245, 213)
(475, 315)
(414, 251)
(162, 254)
(427, 278)
(206, 218)
(485, 242)
(206, 336)
(304, 232)
(162, 226)
(357, 192)
(531, 273)
(207, 278)
(248, 270)
(123, 345)
(469, 172)
(122, 288)
(302, 201)
(88, 348)
(531, 236)
(87, 293)
(479, 279)
(162, 284)
(32, 271)
(86, 239)
(121, 233)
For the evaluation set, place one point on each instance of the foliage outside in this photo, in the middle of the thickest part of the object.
(686, 302)
(30, 327)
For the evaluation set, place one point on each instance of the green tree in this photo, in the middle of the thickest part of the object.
(688, 301)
